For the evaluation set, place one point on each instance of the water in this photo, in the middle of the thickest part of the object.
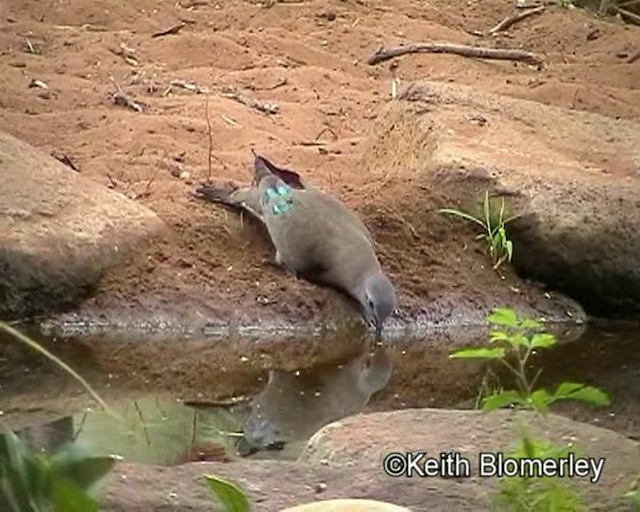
(183, 398)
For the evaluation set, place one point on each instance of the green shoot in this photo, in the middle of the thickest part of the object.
(500, 247)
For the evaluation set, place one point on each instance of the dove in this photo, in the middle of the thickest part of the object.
(315, 235)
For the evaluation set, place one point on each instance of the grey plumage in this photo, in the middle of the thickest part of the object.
(315, 235)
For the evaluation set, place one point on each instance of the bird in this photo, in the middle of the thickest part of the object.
(315, 235)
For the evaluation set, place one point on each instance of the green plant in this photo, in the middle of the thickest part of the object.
(632, 496)
(538, 493)
(231, 497)
(519, 339)
(500, 247)
(38, 482)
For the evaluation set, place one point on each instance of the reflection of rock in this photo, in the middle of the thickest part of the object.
(60, 231)
(49, 437)
(578, 196)
(294, 405)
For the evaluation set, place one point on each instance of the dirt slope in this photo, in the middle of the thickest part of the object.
(309, 58)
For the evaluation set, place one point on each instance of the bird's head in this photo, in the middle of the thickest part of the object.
(379, 300)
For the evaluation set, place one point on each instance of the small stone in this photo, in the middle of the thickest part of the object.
(320, 487)
(184, 175)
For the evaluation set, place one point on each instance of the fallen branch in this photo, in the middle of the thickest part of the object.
(624, 12)
(227, 92)
(383, 54)
(634, 57)
(171, 30)
(515, 18)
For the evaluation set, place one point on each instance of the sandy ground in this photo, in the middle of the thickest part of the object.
(310, 59)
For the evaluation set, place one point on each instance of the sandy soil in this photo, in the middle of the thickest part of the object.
(310, 59)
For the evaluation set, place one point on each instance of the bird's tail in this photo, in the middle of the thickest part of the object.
(263, 167)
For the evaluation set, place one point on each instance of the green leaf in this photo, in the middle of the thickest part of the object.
(540, 400)
(503, 316)
(77, 464)
(14, 472)
(478, 353)
(501, 399)
(66, 496)
(530, 323)
(582, 393)
(519, 340)
(458, 213)
(498, 336)
(228, 493)
(543, 340)
(509, 247)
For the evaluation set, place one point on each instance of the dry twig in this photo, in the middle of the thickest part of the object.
(171, 30)
(64, 158)
(515, 18)
(123, 99)
(634, 57)
(227, 92)
(265, 108)
(383, 54)
(624, 12)
(206, 111)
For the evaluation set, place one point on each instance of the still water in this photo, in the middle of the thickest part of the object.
(178, 398)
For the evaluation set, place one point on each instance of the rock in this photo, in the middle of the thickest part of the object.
(580, 210)
(60, 231)
(346, 505)
(347, 457)
(276, 485)
(364, 440)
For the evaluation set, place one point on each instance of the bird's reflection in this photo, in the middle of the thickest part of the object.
(294, 405)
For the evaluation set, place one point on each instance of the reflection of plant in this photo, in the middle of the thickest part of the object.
(500, 247)
(520, 338)
(32, 482)
(538, 493)
(63, 482)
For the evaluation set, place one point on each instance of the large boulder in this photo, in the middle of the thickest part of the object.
(364, 440)
(344, 460)
(60, 232)
(573, 177)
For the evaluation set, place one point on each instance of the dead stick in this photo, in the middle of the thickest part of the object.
(511, 20)
(206, 109)
(171, 30)
(383, 54)
(634, 57)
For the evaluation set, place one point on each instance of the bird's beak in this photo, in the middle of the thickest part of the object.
(378, 328)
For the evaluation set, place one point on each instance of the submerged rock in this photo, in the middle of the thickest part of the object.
(60, 231)
(579, 208)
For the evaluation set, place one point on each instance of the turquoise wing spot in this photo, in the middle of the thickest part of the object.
(280, 208)
(279, 196)
(282, 190)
